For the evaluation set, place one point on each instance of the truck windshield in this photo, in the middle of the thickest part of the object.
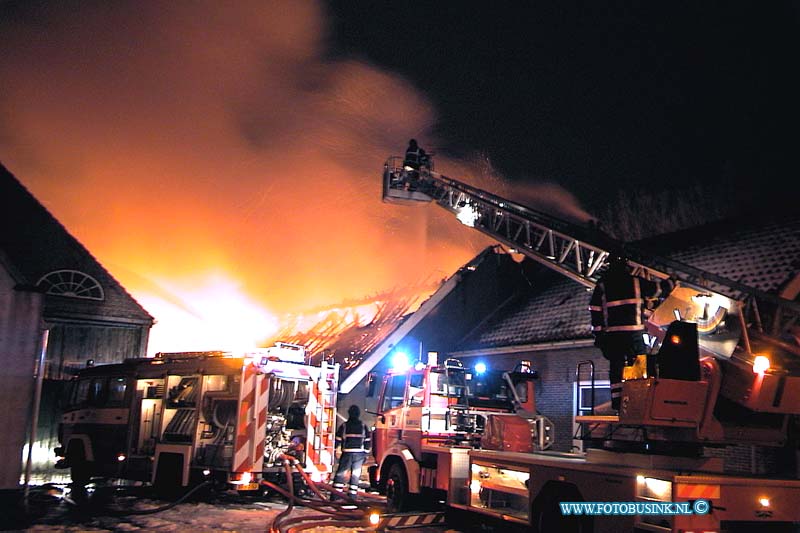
(97, 392)
(451, 383)
(485, 390)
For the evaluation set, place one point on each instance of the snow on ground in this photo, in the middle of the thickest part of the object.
(51, 512)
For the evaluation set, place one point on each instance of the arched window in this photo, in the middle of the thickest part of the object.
(71, 283)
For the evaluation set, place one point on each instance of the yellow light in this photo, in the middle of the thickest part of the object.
(761, 364)
(467, 215)
(764, 502)
(374, 518)
(212, 312)
(658, 487)
(674, 339)
(475, 486)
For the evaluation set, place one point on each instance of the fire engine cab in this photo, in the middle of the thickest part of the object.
(181, 418)
(430, 415)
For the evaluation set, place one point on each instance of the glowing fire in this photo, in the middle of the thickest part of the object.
(219, 317)
(227, 140)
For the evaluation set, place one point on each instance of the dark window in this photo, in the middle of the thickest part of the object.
(98, 392)
(416, 392)
(81, 396)
(602, 394)
(116, 392)
(394, 393)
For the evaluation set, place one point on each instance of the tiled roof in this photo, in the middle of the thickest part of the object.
(34, 244)
(762, 252)
(554, 310)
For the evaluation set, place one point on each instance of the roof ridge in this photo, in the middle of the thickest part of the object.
(10, 178)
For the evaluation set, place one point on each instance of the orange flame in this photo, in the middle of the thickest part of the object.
(226, 141)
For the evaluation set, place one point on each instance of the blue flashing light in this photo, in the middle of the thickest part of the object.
(400, 362)
(480, 368)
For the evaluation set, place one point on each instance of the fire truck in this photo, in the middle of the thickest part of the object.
(178, 419)
(723, 377)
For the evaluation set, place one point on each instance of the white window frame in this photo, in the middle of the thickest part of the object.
(577, 444)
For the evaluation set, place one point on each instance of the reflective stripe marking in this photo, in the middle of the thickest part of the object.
(711, 492)
(318, 444)
(242, 459)
(615, 303)
(415, 519)
(631, 327)
(261, 420)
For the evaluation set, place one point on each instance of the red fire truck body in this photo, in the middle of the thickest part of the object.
(179, 418)
(434, 440)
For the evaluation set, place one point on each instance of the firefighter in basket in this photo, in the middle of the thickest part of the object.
(619, 307)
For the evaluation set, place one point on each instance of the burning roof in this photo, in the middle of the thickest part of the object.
(348, 331)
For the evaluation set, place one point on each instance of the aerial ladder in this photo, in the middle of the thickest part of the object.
(735, 323)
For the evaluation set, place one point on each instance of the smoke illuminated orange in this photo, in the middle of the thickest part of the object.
(218, 162)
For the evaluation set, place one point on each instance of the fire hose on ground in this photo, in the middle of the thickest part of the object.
(344, 512)
(154, 510)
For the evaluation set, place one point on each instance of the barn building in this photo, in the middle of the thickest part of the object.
(54, 296)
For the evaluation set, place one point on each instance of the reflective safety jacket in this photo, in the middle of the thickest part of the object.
(622, 301)
(412, 157)
(353, 436)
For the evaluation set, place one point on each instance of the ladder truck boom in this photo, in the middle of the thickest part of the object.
(552, 242)
(581, 253)
(577, 252)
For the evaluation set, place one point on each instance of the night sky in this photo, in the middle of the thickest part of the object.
(600, 95)
(223, 159)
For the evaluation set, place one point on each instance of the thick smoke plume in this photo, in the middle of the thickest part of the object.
(216, 159)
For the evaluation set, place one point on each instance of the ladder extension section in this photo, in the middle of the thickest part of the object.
(574, 251)
(322, 420)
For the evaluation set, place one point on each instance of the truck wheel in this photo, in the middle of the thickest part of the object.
(546, 512)
(169, 474)
(79, 467)
(372, 471)
(79, 471)
(397, 496)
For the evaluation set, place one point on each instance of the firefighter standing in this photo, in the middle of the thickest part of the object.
(414, 158)
(353, 438)
(619, 307)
